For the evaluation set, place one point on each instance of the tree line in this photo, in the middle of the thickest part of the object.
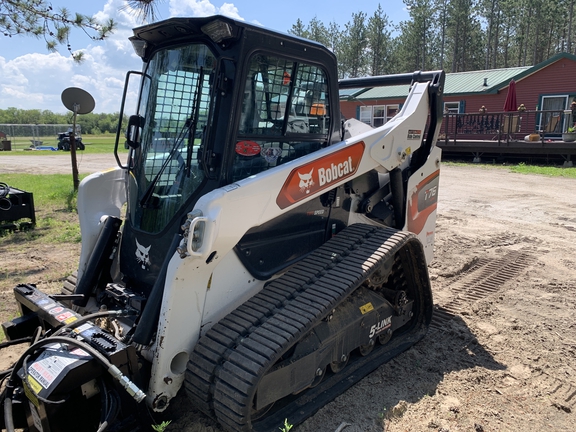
(454, 35)
(90, 123)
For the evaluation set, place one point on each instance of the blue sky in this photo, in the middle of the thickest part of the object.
(33, 78)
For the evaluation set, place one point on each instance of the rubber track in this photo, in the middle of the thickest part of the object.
(69, 287)
(228, 362)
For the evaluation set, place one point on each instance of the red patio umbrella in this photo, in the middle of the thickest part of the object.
(510, 104)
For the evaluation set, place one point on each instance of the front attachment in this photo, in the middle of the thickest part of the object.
(74, 376)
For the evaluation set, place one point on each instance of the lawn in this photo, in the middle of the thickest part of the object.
(94, 144)
(46, 254)
(523, 168)
(55, 205)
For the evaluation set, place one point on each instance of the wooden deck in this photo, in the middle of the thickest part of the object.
(548, 152)
(495, 135)
(552, 147)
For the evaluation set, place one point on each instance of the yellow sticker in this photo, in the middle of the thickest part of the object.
(71, 319)
(366, 308)
(31, 389)
(34, 385)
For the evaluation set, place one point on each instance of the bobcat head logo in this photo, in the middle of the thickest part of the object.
(142, 255)
(306, 181)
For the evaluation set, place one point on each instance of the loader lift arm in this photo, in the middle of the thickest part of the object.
(435, 91)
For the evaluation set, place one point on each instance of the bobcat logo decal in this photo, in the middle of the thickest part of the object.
(306, 181)
(325, 172)
(142, 255)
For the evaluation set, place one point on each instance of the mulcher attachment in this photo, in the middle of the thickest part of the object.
(352, 305)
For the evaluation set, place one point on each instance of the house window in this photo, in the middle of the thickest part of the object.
(366, 114)
(556, 102)
(451, 107)
(377, 115)
(378, 118)
(391, 111)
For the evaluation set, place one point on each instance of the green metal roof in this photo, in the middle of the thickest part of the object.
(462, 83)
(456, 83)
(350, 93)
(473, 81)
(390, 92)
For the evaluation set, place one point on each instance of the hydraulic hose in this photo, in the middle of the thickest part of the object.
(93, 316)
(397, 187)
(5, 203)
(15, 342)
(116, 373)
(4, 189)
(8, 419)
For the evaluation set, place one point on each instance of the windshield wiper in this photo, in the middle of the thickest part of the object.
(149, 191)
(189, 128)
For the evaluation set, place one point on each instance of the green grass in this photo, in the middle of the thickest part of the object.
(94, 144)
(549, 171)
(523, 168)
(55, 205)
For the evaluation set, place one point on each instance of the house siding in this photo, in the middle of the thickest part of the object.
(555, 78)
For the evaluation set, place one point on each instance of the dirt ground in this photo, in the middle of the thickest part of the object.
(47, 162)
(501, 353)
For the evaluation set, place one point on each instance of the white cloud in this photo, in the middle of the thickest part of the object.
(229, 10)
(202, 8)
(36, 80)
(192, 7)
(29, 81)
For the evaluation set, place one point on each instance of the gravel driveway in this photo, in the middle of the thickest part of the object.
(55, 163)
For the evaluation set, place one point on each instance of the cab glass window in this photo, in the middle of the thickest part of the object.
(284, 114)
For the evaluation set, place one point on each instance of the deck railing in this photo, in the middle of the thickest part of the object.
(506, 127)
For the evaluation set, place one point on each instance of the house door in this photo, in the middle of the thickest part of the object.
(555, 105)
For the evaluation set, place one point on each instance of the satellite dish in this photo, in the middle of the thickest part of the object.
(77, 100)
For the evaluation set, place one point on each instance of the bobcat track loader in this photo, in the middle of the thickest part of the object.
(255, 249)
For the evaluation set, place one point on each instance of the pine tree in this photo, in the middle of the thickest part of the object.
(38, 18)
(354, 45)
(380, 43)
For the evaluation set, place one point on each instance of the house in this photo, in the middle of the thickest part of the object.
(548, 86)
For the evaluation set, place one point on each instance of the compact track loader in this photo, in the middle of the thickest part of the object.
(255, 249)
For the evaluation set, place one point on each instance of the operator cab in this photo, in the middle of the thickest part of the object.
(221, 100)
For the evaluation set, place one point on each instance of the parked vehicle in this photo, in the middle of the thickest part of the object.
(64, 141)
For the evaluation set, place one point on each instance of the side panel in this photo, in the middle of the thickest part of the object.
(230, 284)
(422, 202)
(269, 248)
(100, 194)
